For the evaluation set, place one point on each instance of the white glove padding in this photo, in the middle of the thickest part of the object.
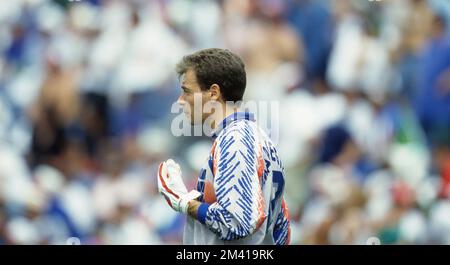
(171, 186)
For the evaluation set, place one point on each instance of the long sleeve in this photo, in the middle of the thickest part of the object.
(239, 208)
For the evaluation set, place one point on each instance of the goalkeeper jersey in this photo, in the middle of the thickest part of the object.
(242, 185)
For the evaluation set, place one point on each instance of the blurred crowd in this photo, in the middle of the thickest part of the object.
(86, 89)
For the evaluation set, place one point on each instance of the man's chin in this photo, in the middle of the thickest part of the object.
(189, 118)
(193, 123)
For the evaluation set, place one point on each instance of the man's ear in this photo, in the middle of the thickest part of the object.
(215, 92)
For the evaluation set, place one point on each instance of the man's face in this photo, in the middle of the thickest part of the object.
(191, 90)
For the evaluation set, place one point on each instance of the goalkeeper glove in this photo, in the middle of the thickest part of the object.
(171, 186)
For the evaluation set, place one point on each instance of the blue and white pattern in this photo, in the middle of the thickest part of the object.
(242, 186)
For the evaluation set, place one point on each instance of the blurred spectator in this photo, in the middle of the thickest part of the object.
(433, 100)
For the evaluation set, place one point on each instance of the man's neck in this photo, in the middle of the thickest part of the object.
(226, 111)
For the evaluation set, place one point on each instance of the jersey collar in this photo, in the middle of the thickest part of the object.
(236, 116)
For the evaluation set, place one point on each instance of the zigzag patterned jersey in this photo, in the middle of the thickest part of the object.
(242, 185)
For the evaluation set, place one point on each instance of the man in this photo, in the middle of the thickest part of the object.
(239, 195)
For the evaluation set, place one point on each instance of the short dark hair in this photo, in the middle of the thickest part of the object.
(217, 66)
